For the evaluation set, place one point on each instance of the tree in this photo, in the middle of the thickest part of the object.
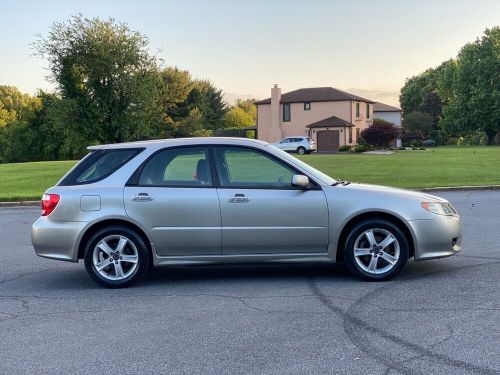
(14, 105)
(418, 121)
(431, 105)
(237, 118)
(106, 78)
(248, 105)
(477, 86)
(380, 134)
(208, 100)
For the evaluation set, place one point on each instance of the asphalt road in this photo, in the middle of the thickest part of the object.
(438, 317)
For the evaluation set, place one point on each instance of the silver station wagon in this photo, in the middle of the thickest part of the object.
(126, 207)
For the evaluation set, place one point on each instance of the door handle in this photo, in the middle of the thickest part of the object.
(238, 198)
(142, 197)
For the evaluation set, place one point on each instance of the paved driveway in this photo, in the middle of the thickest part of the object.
(439, 317)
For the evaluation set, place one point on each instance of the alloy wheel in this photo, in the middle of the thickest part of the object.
(376, 251)
(115, 257)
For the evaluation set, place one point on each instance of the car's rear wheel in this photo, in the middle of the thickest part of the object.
(116, 257)
(301, 150)
(376, 249)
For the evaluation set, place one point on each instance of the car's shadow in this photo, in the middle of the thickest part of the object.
(70, 278)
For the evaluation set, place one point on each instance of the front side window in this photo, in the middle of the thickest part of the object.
(350, 135)
(307, 106)
(358, 134)
(367, 110)
(286, 112)
(247, 168)
(188, 167)
(98, 165)
(285, 141)
(358, 113)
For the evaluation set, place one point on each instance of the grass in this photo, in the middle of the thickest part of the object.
(441, 166)
(438, 167)
(27, 181)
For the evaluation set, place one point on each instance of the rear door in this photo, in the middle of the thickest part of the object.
(174, 197)
(262, 213)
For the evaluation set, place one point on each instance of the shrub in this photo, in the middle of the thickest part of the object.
(344, 148)
(412, 138)
(429, 143)
(380, 134)
(361, 148)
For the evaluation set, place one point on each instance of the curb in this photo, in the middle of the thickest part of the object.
(461, 188)
(440, 188)
(20, 204)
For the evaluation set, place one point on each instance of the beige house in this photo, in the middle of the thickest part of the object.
(329, 116)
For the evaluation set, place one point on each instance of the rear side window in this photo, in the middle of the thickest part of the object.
(98, 165)
(186, 167)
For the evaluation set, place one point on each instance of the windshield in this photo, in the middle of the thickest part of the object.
(285, 155)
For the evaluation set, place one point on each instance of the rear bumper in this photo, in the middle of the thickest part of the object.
(56, 239)
(437, 238)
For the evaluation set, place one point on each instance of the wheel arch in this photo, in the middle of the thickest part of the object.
(93, 228)
(373, 215)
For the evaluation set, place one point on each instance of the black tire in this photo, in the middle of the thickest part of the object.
(301, 150)
(143, 256)
(377, 225)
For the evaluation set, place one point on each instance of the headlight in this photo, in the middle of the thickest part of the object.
(439, 208)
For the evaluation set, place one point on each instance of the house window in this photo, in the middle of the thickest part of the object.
(367, 110)
(286, 112)
(358, 136)
(307, 106)
(358, 114)
(350, 135)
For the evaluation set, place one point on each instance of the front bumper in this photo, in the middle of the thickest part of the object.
(56, 239)
(437, 238)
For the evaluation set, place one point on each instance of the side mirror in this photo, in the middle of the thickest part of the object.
(300, 181)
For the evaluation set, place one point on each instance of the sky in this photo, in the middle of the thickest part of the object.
(244, 47)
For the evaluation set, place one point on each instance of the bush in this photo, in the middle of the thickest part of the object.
(361, 148)
(429, 143)
(344, 148)
(412, 138)
(380, 134)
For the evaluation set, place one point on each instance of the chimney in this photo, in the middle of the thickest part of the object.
(275, 131)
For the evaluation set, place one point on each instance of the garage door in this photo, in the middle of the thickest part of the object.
(328, 140)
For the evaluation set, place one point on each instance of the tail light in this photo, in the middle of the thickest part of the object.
(49, 203)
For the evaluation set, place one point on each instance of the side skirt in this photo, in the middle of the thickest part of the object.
(243, 258)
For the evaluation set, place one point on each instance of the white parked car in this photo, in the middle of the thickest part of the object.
(301, 145)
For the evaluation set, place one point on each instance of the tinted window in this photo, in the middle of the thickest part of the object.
(241, 167)
(98, 165)
(286, 112)
(177, 167)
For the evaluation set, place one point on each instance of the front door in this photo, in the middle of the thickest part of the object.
(262, 213)
(328, 140)
(175, 199)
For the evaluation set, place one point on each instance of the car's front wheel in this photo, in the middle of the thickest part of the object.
(376, 249)
(116, 257)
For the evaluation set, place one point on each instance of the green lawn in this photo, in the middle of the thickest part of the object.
(442, 166)
(26, 181)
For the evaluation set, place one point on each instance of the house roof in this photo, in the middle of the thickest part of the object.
(381, 107)
(330, 122)
(316, 94)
